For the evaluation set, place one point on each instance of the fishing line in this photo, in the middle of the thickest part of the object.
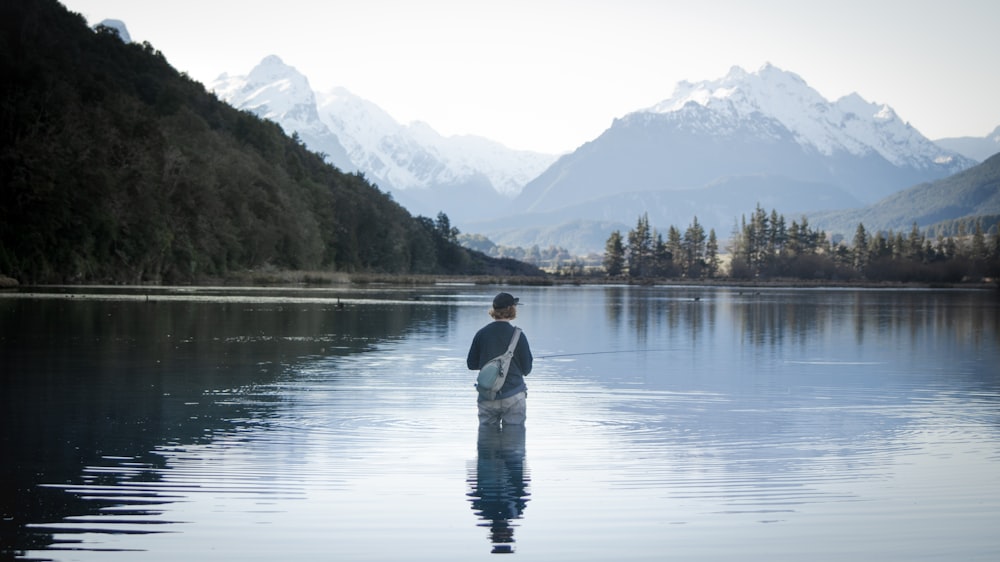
(600, 353)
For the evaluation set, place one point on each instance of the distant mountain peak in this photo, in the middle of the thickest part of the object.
(715, 148)
(851, 124)
(271, 84)
(279, 92)
(272, 68)
(272, 60)
(357, 134)
(117, 25)
(977, 148)
(417, 156)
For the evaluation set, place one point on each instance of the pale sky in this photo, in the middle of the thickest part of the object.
(550, 75)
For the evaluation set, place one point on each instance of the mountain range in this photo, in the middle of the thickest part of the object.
(747, 124)
(464, 176)
(713, 150)
(972, 193)
(977, 148)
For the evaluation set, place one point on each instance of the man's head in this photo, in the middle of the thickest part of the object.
(504, 307)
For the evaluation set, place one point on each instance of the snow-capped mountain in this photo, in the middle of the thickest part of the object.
(850, 124)
(416, 156)
(706, 151)
(976, 148)
(464, 176)
(737, 130)
(276, 91)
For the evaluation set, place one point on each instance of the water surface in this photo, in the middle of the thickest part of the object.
(671, 423)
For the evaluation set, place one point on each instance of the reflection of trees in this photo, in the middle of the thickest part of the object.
(769, 417)
(776, 318)
(84, 380)
(648, 310)
(656, 315)
(499, 483)
(614, 302)
(921, 318)
(924, 317)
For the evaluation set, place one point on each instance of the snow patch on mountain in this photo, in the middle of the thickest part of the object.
(398, 156)
(275, 91)
(416, 156)
(851, 124)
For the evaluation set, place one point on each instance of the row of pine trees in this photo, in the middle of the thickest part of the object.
(766, 246)
(644, 253)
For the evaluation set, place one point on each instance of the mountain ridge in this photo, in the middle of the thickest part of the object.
(850, 123)
(731, 127)
(119, 169)
(412, 161)
(735, 130)
(977, 148)
(974, 192)
(769, 123)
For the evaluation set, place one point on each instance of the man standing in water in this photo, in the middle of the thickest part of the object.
(491, 340)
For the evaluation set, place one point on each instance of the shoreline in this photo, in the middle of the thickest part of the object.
(320, 280)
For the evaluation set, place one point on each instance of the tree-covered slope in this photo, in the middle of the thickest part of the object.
(967, 195)
(114, 167)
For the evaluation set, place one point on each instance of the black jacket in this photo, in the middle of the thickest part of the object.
(492, 340)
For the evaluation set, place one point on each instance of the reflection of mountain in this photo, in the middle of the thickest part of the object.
(90, 389)
(499, 483)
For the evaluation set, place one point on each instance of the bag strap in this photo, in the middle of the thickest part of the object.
(513, 340)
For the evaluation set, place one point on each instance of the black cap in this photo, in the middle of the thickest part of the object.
(504, 300)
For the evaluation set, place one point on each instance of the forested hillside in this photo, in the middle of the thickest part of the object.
(115, 167)
(960, 199)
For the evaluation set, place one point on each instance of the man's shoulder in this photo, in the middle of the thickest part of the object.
(497, 327)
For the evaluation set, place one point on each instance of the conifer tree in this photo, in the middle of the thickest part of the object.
(712, 255)
(640, 246)
(693, 245)
(614, 255)
(860, 248)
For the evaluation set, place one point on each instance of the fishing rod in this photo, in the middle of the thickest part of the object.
(601, 353)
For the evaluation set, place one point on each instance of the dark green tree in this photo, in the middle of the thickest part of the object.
(860, 249)
(663, 264)
(444, 228)
(640, 248)
(915, 245)
(712, 255)
(693, 247)
(978, 247)
(614, 255)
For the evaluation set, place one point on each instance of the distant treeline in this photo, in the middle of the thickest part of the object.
(116, 168)
(961, 228)
(766, 246)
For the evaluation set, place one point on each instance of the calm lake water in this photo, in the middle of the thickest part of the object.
(664, 423)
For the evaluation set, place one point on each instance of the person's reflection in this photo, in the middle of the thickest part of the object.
(499, 483)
